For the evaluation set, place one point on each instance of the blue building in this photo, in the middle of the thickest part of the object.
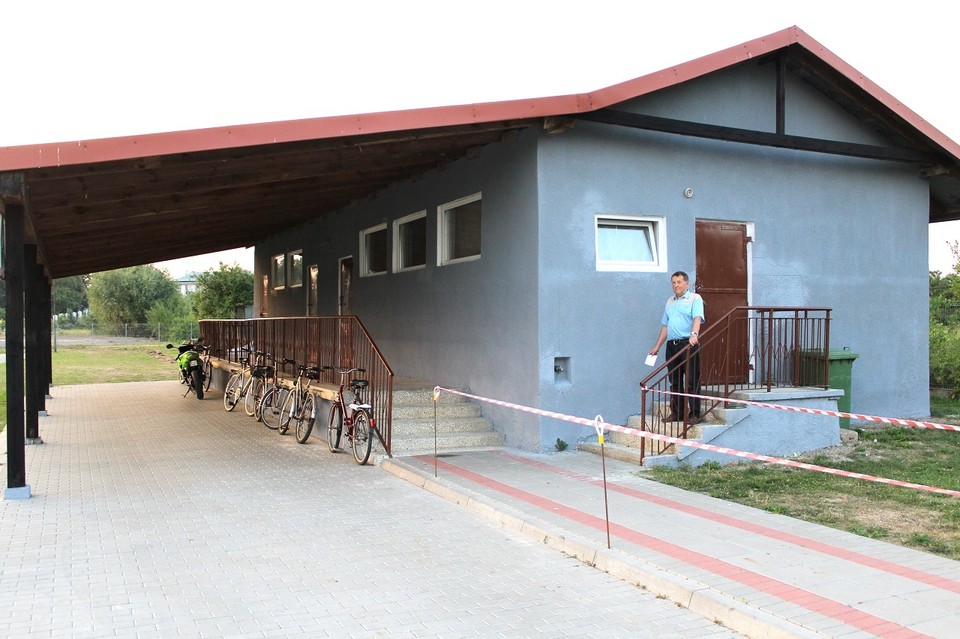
(552, 248)
(523, 249)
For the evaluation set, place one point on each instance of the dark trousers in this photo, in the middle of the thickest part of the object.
(685, 369)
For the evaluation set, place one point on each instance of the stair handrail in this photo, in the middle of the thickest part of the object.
(765, 355)
(339, 340)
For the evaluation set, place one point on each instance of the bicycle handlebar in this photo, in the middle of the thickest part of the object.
(347, 371)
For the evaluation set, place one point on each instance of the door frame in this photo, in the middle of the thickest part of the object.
(312, 284)
(341, 302)
(750, 232)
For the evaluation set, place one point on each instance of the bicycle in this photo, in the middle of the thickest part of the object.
(271, 403)
(300, 406)
(205, 356)
(239, 384)
(258, 385)
(353, 413)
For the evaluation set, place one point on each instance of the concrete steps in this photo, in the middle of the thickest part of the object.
(763, 430)
(459, 424)
(626, 447)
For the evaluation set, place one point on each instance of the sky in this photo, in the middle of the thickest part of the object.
(105, 68)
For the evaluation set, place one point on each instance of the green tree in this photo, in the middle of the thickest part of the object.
(70, 294)
(172, 318)
(126, 295)
(221, 292)
(945, 326)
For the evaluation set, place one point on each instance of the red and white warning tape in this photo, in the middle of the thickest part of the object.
(818, 411)
(600, 426)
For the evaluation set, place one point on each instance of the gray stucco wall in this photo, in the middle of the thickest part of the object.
(467, 325)
(844, 233)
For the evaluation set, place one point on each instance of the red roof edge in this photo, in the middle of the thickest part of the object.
(127, 147)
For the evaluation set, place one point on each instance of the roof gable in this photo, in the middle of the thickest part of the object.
(91, 202)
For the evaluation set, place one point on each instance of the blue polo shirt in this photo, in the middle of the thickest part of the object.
(679, 313)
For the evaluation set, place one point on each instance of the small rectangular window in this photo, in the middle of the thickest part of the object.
(373, 251)
(296, 268)
(410, 242)
(631, 243)
(279, 271)
(458, 229)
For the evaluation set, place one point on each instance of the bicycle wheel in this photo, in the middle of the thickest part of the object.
(306, 416)
(335, 427)
(231, 391)
(197, 383)
(258, 409)
(286, 411)
(271, 405)
(362, 436)
(254, 393)
(207, 374)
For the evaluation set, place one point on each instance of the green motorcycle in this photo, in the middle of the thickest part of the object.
(191, 366)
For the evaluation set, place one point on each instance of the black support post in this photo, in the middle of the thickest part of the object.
(32, 356)
(45, 337)
(13, 269)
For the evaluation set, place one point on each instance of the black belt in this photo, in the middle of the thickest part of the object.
(679, 341)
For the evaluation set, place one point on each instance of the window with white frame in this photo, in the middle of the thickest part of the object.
(458, 230)
(295, 266)
(410, 242)
(278, 271)
(373, 251)
(631, 243)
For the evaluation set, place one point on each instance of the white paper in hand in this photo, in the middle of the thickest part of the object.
(651, 360)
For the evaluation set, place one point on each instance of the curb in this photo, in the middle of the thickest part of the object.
(686, 592)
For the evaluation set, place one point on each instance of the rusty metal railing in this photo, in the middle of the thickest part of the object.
(749, 348)
(340, 341)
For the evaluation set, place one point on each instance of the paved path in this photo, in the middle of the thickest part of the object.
(154, 515)
(765, 575)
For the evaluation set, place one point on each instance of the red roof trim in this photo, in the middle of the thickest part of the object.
(101, 150)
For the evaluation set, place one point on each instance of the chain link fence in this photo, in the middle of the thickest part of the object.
(96, 333)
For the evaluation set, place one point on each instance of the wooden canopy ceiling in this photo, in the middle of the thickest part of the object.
(105, 204)
(105, 215)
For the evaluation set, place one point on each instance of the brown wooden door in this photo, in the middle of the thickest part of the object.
(345, 347)
(313, 272)
(722, 281)
(346, 278)
(264, 290)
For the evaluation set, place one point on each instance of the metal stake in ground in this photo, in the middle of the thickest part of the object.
(597, 421)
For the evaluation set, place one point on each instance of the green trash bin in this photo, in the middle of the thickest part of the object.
(840, 361)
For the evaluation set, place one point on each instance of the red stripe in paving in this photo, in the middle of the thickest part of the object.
(925, 578)
(811, 601)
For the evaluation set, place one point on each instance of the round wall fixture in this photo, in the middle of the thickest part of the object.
(688, 192)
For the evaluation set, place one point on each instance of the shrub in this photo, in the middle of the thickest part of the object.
(944, 356)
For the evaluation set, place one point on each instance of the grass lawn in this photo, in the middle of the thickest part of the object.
(902, 516)
(112, 363)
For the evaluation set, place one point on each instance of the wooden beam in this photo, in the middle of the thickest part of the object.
(760, 138)
(781, 94)
(11, 187)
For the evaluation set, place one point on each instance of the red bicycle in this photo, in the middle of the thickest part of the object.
(350, 411)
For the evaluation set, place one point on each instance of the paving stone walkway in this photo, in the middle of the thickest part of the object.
(154, 515)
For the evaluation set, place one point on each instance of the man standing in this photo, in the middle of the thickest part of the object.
(680, 326)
